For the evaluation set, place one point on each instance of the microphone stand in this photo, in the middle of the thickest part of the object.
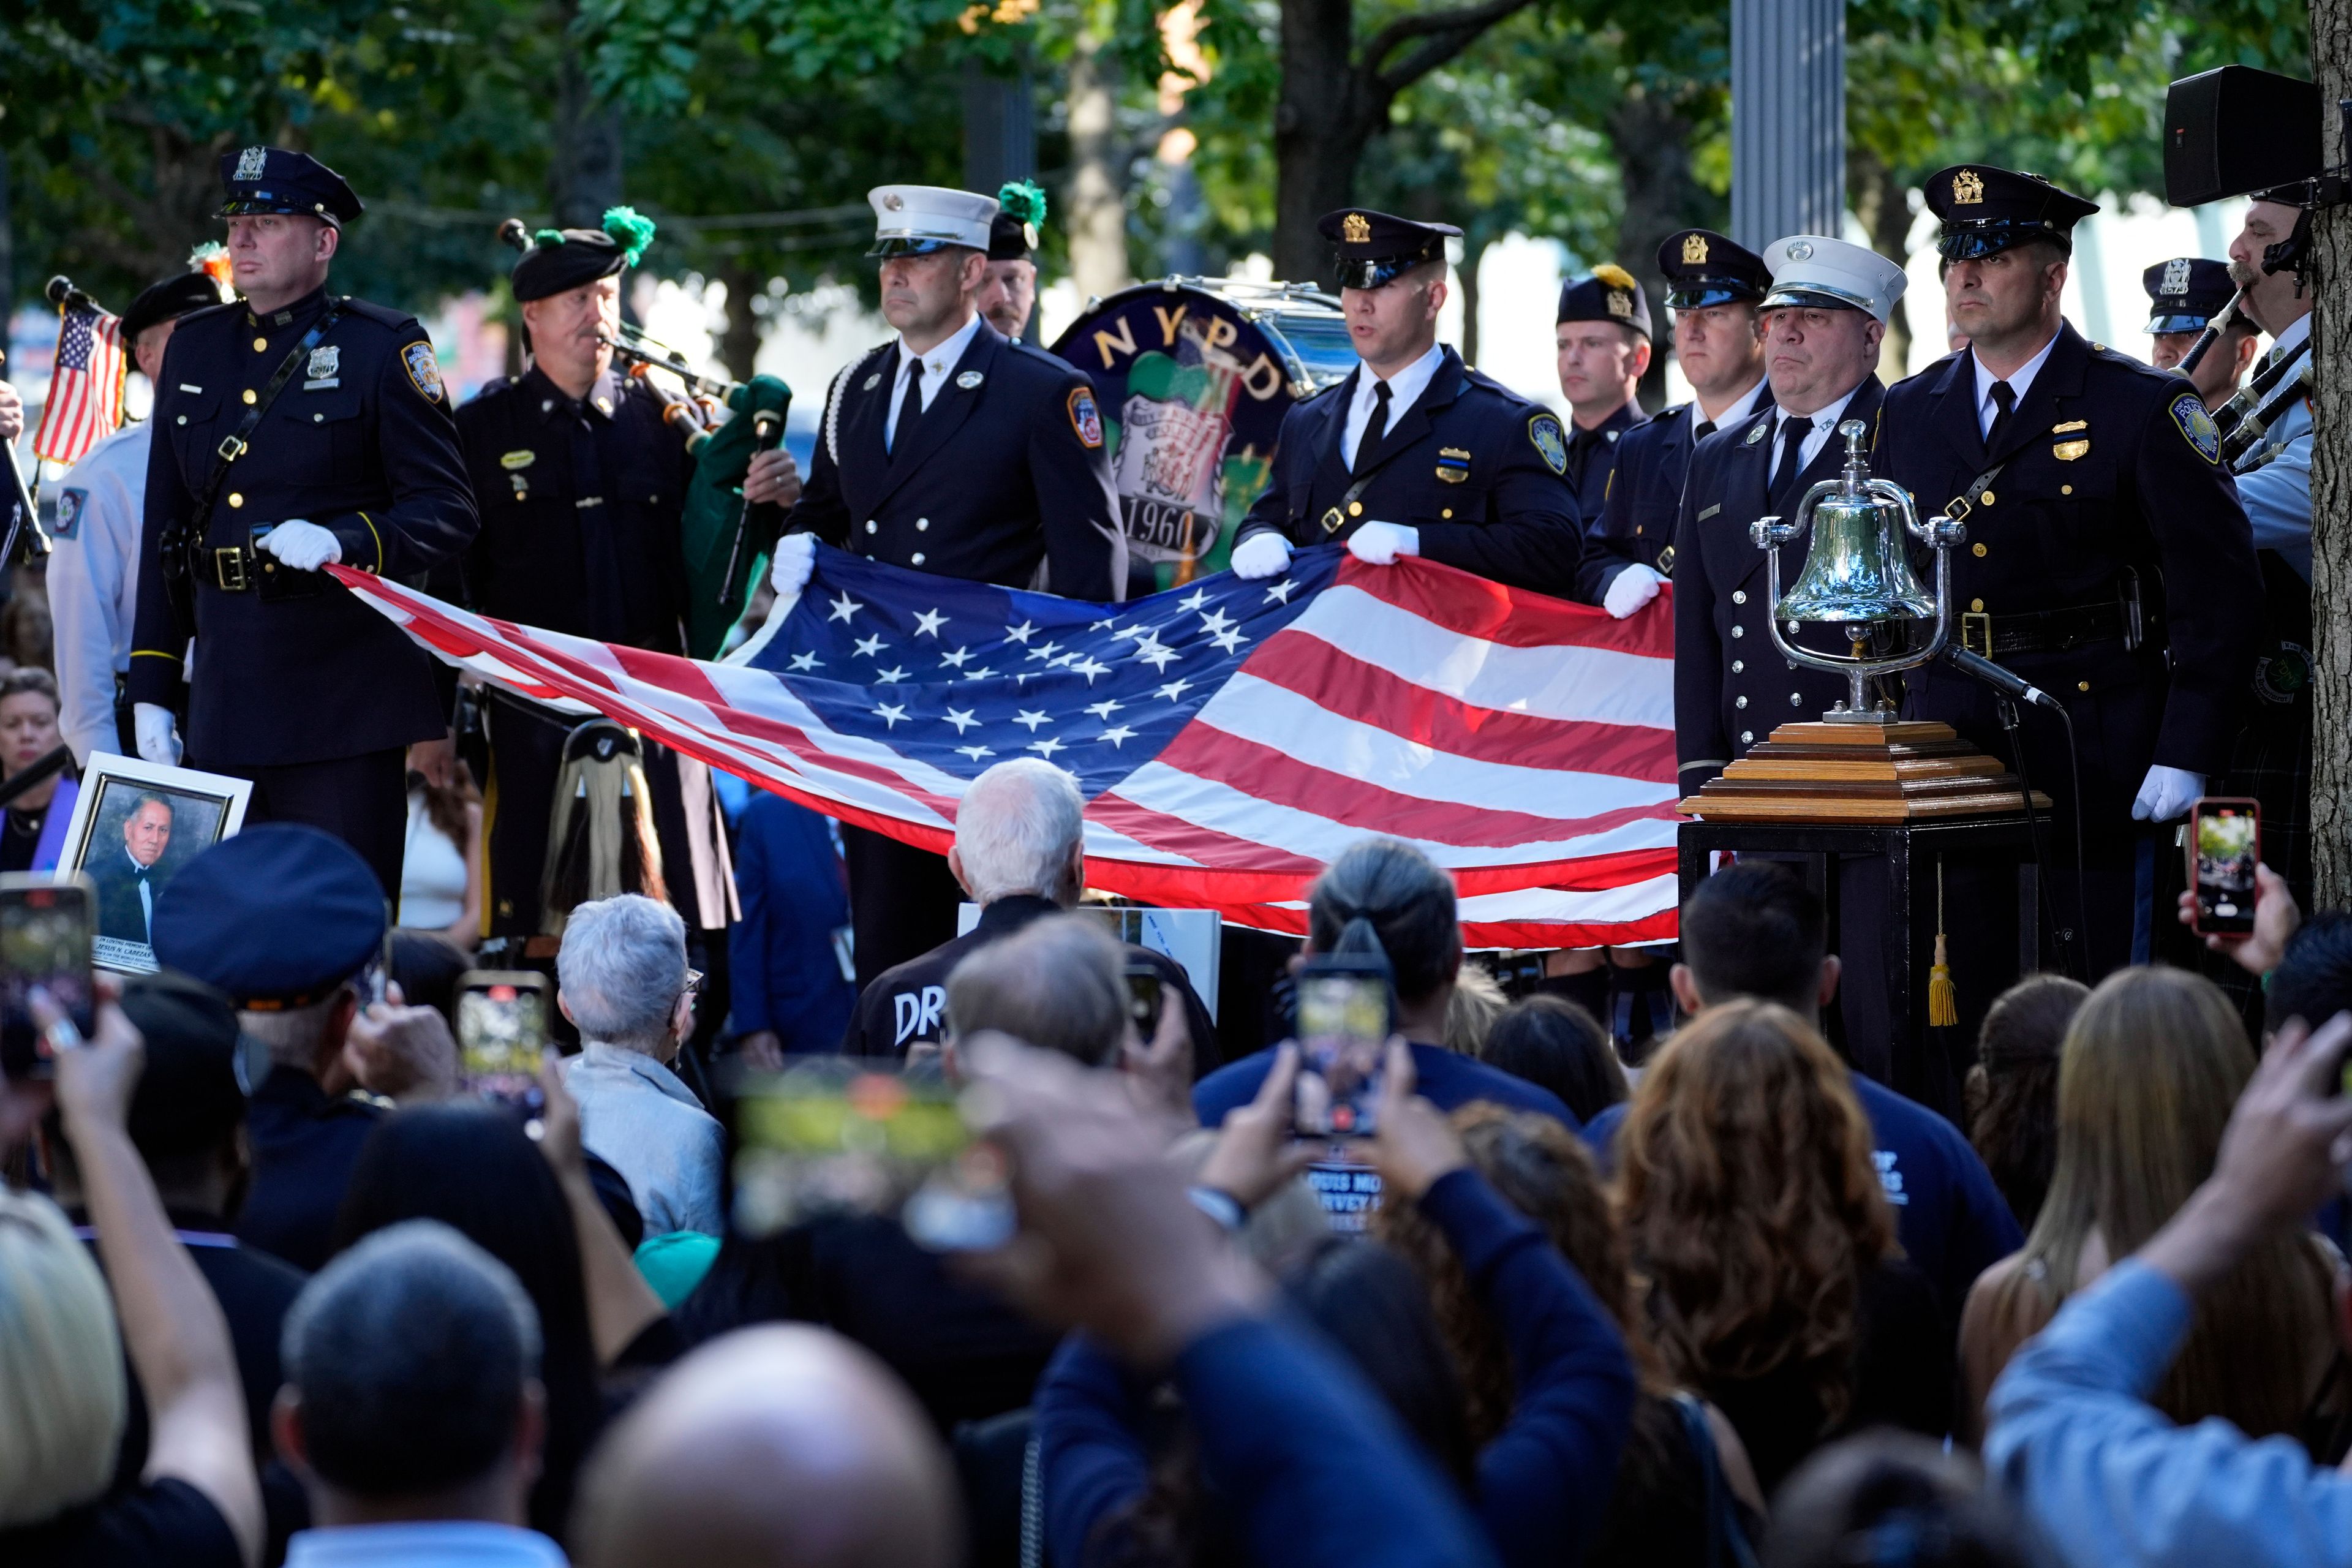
(2009, 688)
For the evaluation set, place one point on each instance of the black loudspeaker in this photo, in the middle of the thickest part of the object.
(2236, 130)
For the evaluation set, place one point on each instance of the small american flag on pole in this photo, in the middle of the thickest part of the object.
(85, 402)
(1230, 737)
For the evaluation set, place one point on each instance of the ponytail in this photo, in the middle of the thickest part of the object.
(1384, 897)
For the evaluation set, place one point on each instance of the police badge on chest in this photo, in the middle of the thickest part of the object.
(324, 369)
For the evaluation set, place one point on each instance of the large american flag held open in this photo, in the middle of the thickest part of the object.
(85, 402)
(1230, 738)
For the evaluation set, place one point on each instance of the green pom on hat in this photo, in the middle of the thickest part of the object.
(548, 237)
(1022, 201)
(632, 228)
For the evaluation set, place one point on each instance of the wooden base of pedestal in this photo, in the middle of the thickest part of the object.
(1818, 771)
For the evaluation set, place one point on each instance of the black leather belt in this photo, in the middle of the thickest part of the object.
(2042, 631)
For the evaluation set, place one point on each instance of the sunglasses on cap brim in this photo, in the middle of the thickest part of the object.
(1977, 241)
(1353, 274)
(2161, 325)
(277, 209)
(885, 248)
(1699, 295)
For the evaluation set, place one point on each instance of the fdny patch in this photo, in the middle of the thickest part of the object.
(423, 370)
(1085, 417)
(1549, 444)
(69, 519)
(2188, 413)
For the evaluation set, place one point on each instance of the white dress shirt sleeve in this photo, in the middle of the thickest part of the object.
(93, 582)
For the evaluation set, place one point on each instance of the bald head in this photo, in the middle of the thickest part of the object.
(780, 1446)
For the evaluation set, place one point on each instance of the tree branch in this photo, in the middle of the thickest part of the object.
(1448, 32)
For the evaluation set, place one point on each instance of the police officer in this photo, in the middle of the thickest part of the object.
(1603, 340)
(2184, 295)
(1714, 286)
(1414, 453)
(948, 449)
(293, 430)
(93, 577)
(2107, 560)
(581, 474)
(1008, 289)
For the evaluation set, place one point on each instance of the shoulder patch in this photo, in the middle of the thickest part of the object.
(2188, 413)
(424, 371)
(69, 517)
(1085, 417)
(1543, 430)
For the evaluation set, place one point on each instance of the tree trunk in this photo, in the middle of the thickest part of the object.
(2331, 490)
(1882, 203)
(7, 257)
(1465, 278)
(1098, 203)
(1652, 139)
(738, 345)
(1329, 110)
(585, 172)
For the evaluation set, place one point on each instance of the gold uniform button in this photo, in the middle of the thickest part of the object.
(1448, 511)
(260, 345)
(2081, 686)
(251, 396)
(234, 499)
(1355, 508)
(2065, 490)
(1985, 500)
(1977, 549)
(1977, 606)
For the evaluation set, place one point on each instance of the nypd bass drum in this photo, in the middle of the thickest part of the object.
(1193, 376)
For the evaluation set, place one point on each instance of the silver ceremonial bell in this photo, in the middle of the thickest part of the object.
(1858, 571)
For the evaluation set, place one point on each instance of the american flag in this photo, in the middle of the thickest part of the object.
(1230, 737)
(85, 402)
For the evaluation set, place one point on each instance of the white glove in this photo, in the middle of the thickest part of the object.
(157, 733)
(2166, 793)
(1261, 555)
(1629, 590)
(304, 546)
(795, 560)
(1379, 543)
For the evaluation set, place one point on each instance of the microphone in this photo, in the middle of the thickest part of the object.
(1999, 680)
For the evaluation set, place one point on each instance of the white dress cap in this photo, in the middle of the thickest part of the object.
(915, 220)
(1813, 269)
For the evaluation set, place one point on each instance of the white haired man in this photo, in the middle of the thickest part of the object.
(1020, 855)
(622, 977)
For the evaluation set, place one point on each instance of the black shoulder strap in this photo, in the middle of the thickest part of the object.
(231, 449)
(1336, 518)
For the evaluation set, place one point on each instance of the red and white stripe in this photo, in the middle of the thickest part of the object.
(1524, 743)
(84, 406)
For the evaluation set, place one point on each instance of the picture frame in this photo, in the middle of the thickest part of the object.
(131, 851)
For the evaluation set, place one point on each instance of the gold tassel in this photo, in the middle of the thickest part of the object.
(1943, 998)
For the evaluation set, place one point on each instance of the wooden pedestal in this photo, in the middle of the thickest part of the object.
(1891, 773)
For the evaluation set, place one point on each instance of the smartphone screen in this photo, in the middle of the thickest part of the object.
(501, 1032)
(1143, 999)
(2227, 846)
(832, 1137)
(45, 939)
(1343, 1028)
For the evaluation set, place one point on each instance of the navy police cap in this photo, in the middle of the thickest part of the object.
(273, 180)
(1703, 267)
(1610, 294)
(2185, 292)
(1987, 210)
(277, 917)
(1374, 248)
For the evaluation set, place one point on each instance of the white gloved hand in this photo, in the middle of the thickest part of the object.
(157, 733)
(1379, 543)
(303, 545)
(1261, 555)
(1629, 590)
(795, 560)
(2166, 793)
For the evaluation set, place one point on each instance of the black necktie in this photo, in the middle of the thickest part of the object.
(911, 410)
(1705, 428)
(2004, 399)
(1376, 428)
(1793, 431)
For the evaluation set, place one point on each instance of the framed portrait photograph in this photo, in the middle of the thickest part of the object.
(135, 823)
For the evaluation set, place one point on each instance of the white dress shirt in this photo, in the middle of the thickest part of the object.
(2018, 381)
(940, 360)
(1825, 421)
(94, 585)
(1743, 408)
(1406, 388)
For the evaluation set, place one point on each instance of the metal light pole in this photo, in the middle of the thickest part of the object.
(1788, 119)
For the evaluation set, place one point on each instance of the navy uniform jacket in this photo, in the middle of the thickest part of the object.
(359, 441)
(1594, 456)
(1478, 469)
(580, 504)
(2105, 474)
(1640, 503)
(1732, 687)
(1006, 481)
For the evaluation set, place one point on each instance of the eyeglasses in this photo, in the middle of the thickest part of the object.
(693, 983)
